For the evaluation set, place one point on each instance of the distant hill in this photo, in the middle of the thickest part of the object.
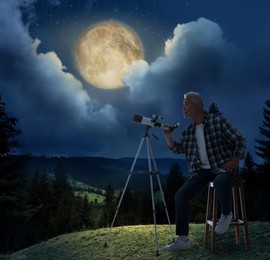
(100, 171)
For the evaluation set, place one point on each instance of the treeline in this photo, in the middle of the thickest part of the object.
(41, 207)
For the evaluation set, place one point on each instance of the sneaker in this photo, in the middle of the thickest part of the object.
(223, 223)
(178, 245)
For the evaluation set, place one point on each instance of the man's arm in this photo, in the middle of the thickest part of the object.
(232, 165)
(168, 136)
(234, 136)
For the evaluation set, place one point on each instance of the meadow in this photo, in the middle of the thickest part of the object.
(138, 242)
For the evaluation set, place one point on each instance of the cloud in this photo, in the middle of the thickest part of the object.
(194, 54)
(52, 106)
(199, 58)
(60, 116)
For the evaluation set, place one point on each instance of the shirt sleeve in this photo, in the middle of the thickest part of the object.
(234, 137)
(178, 147)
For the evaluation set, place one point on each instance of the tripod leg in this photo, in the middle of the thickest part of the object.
(154, 212)
(117, 209)
(123, 193)
(161, 191)
(165, 207)
(152, 192)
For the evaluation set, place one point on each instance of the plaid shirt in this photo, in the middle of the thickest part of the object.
(223, 141)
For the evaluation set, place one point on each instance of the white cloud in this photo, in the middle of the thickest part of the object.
(137, 72)
(195, 51)
(202, 32)
(50, 103)
(58, 116)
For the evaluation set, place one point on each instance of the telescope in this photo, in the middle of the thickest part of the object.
(152, 122)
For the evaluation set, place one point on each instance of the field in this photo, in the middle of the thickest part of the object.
(138, 242)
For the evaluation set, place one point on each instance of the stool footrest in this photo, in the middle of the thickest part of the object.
(209, 222)
(233, 222)
(238, 222)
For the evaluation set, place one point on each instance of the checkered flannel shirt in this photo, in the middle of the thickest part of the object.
(223, 141)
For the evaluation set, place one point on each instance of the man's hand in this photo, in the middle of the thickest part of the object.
(168, 135)
(232, 165)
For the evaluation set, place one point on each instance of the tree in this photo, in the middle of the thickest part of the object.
(174, 182)
(263, 150)
(249, 173)
(108, 207)
(146, 209)
(129, 209)
(213, 109)
(63, 204)
(13, 207)
(8, 132)
(40, 200)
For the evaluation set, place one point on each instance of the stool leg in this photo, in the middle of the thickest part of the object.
(244, 215)
(214, 215)
(236, 214)
(208, 213)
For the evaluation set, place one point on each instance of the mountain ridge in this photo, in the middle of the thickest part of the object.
(100, 171)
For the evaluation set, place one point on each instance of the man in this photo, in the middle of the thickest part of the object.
(213, 149)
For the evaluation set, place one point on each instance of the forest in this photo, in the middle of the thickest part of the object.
(41, 207)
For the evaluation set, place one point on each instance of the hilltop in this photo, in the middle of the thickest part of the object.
(138, 242)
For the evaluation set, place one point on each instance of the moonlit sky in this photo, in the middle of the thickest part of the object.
(218, 48)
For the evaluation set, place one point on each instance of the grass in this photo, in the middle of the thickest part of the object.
(138, 242)
(91, 197)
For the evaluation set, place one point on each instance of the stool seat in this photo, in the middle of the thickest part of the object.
(239, 215)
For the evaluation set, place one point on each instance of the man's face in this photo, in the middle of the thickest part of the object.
(189, 108)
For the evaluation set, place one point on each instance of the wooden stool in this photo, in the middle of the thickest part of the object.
(237, 221)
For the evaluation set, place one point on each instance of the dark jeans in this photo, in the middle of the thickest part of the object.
(194, 186)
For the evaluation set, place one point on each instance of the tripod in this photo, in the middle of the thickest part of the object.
(151, 161)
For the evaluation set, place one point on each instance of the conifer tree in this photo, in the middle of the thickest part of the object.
(263, 150)
(8, 132)
(213, 109)
(174, 182)
(249, 173)
(146, 213)
(40, 200)
(108, 207)
(13, 208)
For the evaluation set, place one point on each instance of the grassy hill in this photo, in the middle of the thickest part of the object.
(93, 194)
(138, 242)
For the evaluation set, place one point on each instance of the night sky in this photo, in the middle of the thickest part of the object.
(218, 48)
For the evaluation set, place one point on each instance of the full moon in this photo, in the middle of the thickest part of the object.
(104, 52)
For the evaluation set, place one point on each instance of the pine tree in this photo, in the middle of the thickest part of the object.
(213, 109)
(40, 200)
(146, 212)
(8, 132)
(174, 182)
(129, 209)
(108, 207)
(249, 166)
(249, 173)
(62, 204)
(263, 150)
(13, 207)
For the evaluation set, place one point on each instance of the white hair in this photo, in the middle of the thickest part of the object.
(195, 97)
